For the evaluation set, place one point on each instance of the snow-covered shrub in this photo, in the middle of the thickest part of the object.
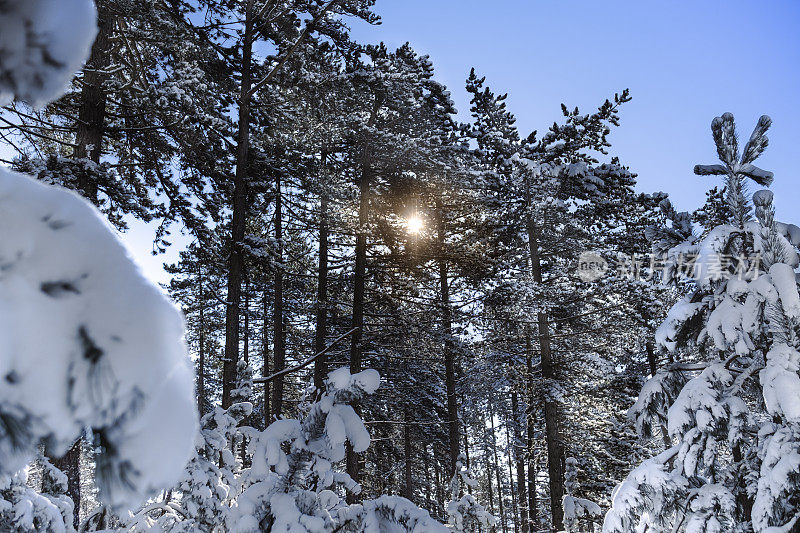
(464, 512)
(24, 510)
(42, 44)
(87, 341)
(734, 427)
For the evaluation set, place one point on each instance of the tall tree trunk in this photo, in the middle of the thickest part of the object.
(532, 514)
(236, 259)
(201, 352)
(70, 465)
(519, 456)
(497, 470)
(408, 487)
(509, 460)
(265, 354)
(487, 454)
(90, 128)
(555, 466)
(359, 283)
(92, 112)
(453, 425)
(279, 332)
(426, 464)
(321, 364)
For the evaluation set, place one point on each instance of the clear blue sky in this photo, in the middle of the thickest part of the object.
(684, 61)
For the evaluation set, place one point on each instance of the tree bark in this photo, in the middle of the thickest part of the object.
(278, 333)
(321, 364)
(70, 465)
(408, 487)
(236, 259)
(519, 456)
(555, 467)
(359, 283)
(453, 425)
(265, 354)
(497, 470)
(201, 352)
(532, 512)
(92, 112)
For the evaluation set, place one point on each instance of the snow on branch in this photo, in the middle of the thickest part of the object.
(42, 44)
(87, 342)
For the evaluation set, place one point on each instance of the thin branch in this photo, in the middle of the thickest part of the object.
(305, 363)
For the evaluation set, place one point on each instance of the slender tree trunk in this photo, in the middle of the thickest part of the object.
(532, 514)
(321, 364)
(453, 425)
(519, 453)
(236, 259)
(514, 503)
(279, 332)
(487, 454)
(426, 464)
(92, 112)
(653, 364)
(265, 351)
(359, 283)
(408, 488)
(555, 467)
(500, 496)
(201, 352)
(70, 465)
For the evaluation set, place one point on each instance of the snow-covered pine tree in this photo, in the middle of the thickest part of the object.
(732, 407)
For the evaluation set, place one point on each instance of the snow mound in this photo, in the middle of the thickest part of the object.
(87, 342)
(37, 57)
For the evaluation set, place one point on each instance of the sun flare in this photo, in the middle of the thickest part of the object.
(414, 225)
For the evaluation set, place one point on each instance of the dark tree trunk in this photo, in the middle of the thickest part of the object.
(408, 487)
(321, 364)
(555, 467)
(487, 453)
(279, 332)
(359, 283)
(70, 465)
(514, 504)
(236, 259)
(92, 112)
(519, 456)
(453, 425)
(201, 352)
(265, 353)
(497, 471)
(532, 514)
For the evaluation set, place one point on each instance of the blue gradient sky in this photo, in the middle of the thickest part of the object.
(685, 63)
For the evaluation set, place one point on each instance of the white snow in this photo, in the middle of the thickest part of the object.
(42, 44)
(87, 341)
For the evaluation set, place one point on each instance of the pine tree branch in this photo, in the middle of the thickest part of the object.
(266, 79)
(307, 362)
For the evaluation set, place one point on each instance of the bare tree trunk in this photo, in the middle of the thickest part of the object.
(92, 112)
(555, 467)
(497, 470)
(265, 352)
(236, 259)
(201, 352)
(408, 488)
(70, 465)
(488, 458)
(453, 425)
(359, 283)
(321, 364)
(519, 456)
(278, 333)
(532, 514)
(514, 503)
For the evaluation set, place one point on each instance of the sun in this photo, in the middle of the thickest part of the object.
(414, 225)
